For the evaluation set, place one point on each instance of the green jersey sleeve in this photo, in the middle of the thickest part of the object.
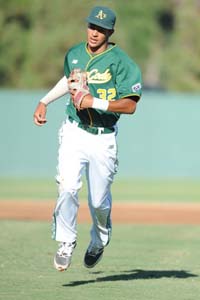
(128, 78)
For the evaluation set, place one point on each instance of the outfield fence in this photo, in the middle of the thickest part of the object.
(160, 141)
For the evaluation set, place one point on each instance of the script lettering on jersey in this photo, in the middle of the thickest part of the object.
(94, 76)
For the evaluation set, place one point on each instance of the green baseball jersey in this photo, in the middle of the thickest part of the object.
(111, 75)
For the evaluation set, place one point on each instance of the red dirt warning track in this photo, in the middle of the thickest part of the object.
(127, 213)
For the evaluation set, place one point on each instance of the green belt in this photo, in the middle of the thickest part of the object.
(93, 130)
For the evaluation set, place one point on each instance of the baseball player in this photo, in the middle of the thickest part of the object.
(102, 83)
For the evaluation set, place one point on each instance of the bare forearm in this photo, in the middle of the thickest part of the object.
(124, 105)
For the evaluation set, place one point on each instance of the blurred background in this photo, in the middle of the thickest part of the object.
(159, 146)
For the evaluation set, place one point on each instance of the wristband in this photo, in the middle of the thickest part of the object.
(100, 104)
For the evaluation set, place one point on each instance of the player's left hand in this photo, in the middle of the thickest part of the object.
(78, 88)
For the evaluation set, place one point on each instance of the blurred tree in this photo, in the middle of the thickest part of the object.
(14, 33)
(161, 35)
(180, 63)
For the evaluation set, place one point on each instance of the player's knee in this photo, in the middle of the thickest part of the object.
(96, 206)
(66, 186)
(69, 191)
(99, 206)
(100, 201)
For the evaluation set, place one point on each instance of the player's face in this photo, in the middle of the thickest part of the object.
(97, 38)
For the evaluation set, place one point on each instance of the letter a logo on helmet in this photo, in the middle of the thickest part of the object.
(101, 15)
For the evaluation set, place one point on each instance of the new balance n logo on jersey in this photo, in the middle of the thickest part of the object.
(94, 76)
(101, 15)
(136, 87)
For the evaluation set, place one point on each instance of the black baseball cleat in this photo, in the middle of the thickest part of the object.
(93, 256)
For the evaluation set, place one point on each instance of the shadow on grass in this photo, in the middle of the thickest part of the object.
(136, 274)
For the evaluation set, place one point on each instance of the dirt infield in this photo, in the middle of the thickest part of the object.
(127, 213)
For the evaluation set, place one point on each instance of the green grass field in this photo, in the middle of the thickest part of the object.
(123, 190)
(141, 263)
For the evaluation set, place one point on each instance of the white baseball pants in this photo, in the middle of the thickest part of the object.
(96, 155)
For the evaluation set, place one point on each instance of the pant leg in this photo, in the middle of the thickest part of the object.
(100, 174)
(70, 167)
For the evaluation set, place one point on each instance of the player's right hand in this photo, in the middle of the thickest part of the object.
(40, 114)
